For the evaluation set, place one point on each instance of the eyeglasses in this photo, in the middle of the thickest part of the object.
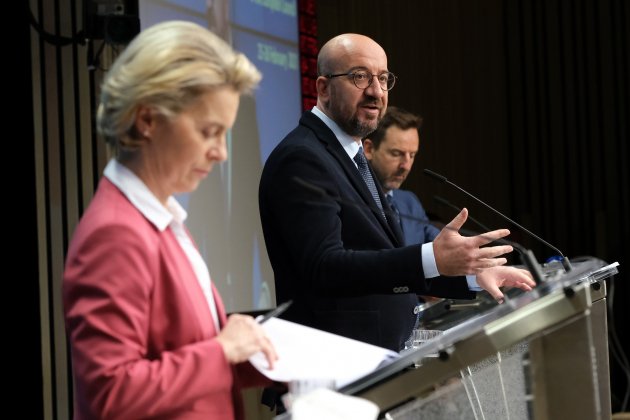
(363, 79)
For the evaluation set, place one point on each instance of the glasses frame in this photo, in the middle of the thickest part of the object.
(353, 74)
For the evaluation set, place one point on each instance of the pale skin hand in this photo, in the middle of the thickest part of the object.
(457, 255)
(495, 277)
(242, 337)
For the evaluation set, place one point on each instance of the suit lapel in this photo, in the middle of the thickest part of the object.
(333, 146)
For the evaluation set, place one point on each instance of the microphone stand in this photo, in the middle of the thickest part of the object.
(565, 261)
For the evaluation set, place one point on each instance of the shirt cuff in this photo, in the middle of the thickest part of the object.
(471, 279)
(429, 266)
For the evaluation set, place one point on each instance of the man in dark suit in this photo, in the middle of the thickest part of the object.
(391, 150)
(332, 240)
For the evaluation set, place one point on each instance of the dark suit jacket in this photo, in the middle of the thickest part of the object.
(334, 254)
(414, 231)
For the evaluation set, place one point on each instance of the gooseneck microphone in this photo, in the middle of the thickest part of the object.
(565, 261)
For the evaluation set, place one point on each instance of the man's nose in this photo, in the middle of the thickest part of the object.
(375, 88)
(406, 162)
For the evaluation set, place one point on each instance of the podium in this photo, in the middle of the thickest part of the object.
(540, 355)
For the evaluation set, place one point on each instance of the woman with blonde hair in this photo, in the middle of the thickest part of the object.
(148, 332)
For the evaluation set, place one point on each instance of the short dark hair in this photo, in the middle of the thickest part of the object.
(397, 117)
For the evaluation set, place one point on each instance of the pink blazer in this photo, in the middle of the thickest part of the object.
(141, 335)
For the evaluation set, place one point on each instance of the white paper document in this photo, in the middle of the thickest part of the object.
(330, 405)
(306, 353)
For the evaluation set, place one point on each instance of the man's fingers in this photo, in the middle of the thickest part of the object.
(486, 238)
(458, 221)
(494, 251)
(495, 292)
(523, 280)
(529, 280)
(485, 263)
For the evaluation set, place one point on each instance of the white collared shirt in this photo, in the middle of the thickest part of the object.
(349, 144)
(173, 216)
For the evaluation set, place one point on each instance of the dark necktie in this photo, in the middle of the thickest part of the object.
(395, 212)
(362, 164)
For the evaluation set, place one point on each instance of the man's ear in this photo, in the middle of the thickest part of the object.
(322, 84)
(368, 148)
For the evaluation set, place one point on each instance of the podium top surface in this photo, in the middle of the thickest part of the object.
(496, 325)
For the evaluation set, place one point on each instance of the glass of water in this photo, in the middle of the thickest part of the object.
(420, 337)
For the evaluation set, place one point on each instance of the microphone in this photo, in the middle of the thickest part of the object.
(565, 261)
(528, 258)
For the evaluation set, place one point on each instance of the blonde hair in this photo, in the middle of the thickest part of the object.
(167, 66)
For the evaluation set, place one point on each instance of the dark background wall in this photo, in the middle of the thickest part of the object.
(526, 104)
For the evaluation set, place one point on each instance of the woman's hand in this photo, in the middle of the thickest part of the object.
(242, 337)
